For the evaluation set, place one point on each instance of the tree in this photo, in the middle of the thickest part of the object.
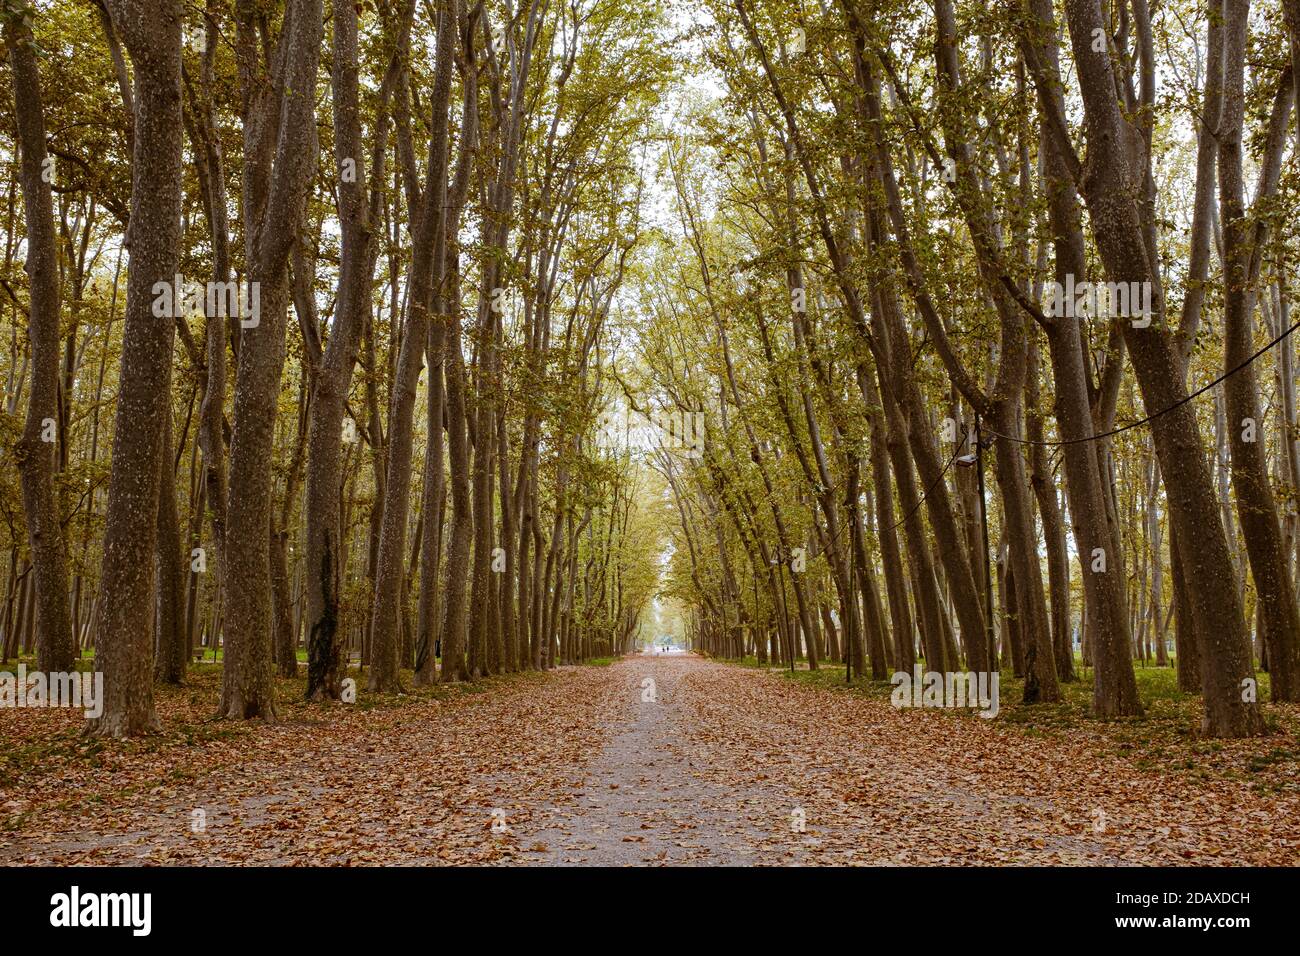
(123, 629)
(35, 453)
(279, 130)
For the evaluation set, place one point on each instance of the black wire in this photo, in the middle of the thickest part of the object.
(934, 484)
(847, 526)
(1074, 441)
(1182, 401)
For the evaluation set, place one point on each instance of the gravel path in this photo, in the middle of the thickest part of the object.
(739, 767)
(653, 760)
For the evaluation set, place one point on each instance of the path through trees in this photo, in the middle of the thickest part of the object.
(352, 351)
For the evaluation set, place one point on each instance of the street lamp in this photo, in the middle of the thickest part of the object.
(976, 458)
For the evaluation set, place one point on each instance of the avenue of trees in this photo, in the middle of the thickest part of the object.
(448, 337)
(380, 449)
(880, 227)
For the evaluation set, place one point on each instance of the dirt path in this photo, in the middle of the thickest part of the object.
(649, 797)
(732, 766)
(660, 760)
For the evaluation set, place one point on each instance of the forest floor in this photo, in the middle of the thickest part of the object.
(658, 760)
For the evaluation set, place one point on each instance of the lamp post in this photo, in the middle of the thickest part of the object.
(849, 646)
(988, 571)
(778, 562)
(976, 458)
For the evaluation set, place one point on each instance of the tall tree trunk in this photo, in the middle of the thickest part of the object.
(35, 451)
(171, 640)
(1256, 506)
(432, 495)
(1114, 685)
(1058, 559)
(124, 632)
(895, 581)
(1108, 191)
(357, 210)
(275, 195)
